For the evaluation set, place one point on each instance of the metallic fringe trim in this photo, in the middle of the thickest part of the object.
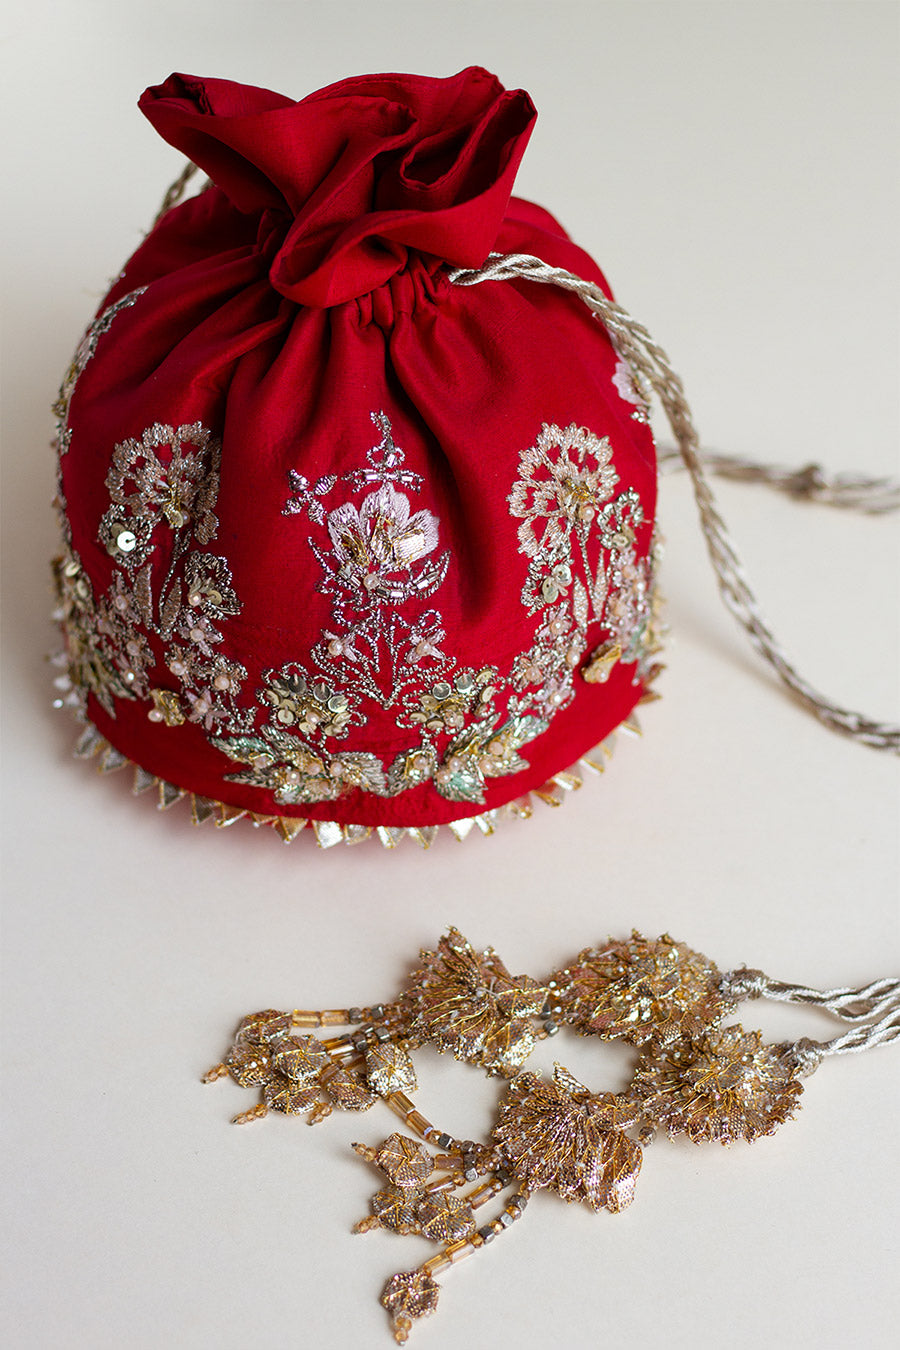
(91, 745)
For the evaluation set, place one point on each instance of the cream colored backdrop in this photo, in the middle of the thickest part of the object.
(731, 166)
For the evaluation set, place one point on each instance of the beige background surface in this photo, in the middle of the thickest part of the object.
(731, 167)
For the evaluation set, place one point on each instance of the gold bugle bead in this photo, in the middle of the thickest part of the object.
(481, 1194)
(436, 1263)
(447, 1183)
(459, 1250)
(416, 1121)
(336, 1043)
(329, 1017)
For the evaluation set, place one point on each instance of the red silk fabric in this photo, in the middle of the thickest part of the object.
(284, 305)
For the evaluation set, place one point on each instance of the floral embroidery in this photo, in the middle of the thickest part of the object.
(167, 480)
(385, 647)
(559, 1135)
(563, 479)
(379, 554)
(467, 1002)
(724, 1085)
(86, 349)
(631, 387)
(145, 487)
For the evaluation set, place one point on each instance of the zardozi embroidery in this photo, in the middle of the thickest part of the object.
(379, 556)
(695, 1077)
(384, 647)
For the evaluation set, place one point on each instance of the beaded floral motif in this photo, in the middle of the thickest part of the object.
(632, 388)
(560, 1135)
(693, 1078)
(382, 552)
(468, 1003)
(724, 1085)
(379, 553)
(163, 489)
(640, 989)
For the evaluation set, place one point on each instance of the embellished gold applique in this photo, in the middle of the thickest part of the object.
(722, 1086)
(640, 988)
(468, 1003)
(559, 1135)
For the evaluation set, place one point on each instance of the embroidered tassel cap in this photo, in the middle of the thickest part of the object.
(346, 542)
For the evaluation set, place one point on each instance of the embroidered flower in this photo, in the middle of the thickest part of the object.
(563, 479)
(171, 473)
(468, 1003)
(204, 708)
(561, 1136)
(640, 989)
(310, 706)
(633, 388)
(722, 1086)
(380, 537)
(556, 692)
(209, 585)
(199, 631)
(410, 1295)
(341, 645)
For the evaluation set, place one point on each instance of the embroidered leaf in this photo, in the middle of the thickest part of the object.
(465, 784)
(580, 604)
(244, 749)
(143, 596)
(598, 589)
(170, 611)
(622, 1162)
(359, 769)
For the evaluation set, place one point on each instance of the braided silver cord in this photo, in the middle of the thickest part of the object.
(808, 1055)
(849, 492)
(851, 1005)
(649, 362)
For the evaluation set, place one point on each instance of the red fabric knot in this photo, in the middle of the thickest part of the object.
(360, 174)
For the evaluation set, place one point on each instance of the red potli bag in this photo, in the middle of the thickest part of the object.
(352, 540)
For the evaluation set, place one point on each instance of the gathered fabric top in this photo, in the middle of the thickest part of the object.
(356, 177)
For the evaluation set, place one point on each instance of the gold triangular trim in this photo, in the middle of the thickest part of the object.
(202, 808)
(289, 827)
(143, 781)
(89, 742)
(328, 833)
(227, 815)
(169, 794)
(111, 760)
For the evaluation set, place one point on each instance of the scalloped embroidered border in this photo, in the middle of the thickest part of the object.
(91, 745)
